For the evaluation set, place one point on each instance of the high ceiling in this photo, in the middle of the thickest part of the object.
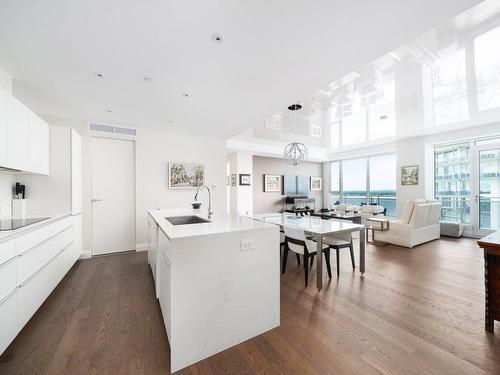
(273, 53)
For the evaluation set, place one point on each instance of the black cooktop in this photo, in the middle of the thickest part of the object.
(11, 224)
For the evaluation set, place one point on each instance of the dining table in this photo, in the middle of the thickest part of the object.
(318, 229)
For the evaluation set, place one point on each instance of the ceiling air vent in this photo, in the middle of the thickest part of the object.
(112, 129)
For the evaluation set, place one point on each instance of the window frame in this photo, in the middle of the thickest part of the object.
(368, 172)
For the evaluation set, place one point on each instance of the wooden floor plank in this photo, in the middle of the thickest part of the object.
(416, 311)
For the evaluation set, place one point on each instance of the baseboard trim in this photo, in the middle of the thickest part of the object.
(141, 246)
(85, 255)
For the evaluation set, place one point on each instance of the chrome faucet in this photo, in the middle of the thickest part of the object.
(210, 212)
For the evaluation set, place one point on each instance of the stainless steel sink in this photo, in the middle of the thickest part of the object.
(185, 220)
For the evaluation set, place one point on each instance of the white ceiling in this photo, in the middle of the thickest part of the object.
(274, 53)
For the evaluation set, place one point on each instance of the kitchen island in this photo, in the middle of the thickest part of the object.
(217, 280)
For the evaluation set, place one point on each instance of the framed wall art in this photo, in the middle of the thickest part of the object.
(185, 175)
(409, 175)
(316, 184)
(244, 179)
(272, 183)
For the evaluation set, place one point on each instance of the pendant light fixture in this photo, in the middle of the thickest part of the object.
(295, 152)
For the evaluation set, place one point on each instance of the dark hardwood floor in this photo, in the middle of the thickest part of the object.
(418, 311)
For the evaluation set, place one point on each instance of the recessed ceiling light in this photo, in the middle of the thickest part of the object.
(109, 110)
(148, 79)
(98, 75)
(185, 95)
(217, 38)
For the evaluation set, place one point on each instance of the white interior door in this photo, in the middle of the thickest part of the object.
(113, 195)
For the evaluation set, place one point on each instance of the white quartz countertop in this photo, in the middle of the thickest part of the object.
(10, 234)
(218, 223)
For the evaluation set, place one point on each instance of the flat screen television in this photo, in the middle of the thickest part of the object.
(295, 185)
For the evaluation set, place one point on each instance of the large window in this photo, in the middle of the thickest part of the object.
(452, 181)
(449, 89)
(354, 181)
(383, 182)
(350, 184)
(487, 63)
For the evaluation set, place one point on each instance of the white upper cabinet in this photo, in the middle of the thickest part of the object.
(24, 137)
(38, 145)
(18, 126)
(3, 126)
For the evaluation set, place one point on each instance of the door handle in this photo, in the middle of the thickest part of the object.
(96, 200)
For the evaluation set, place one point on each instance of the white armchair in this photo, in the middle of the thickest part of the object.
(419, 224)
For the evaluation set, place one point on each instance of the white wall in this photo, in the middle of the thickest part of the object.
(154, 149)
(6, 182)
(241, 196)
(273, 202)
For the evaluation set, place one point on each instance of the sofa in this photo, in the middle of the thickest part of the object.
(419, 224)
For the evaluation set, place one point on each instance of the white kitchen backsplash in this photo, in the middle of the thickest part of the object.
(6, 182)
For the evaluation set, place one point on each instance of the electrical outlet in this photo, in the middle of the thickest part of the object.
(247, 244)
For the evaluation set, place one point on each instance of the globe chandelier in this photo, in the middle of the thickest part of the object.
(295, 152)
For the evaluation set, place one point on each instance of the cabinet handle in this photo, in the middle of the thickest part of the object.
(45, 240)
(7, 261)
(8, 296)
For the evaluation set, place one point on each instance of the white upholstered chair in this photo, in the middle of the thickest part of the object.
(419, 224)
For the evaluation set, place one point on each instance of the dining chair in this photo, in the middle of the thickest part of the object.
(296, 241)
(282, 244)
(338, 242)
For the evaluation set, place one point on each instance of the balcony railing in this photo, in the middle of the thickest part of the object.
(455, 208)
(489, 212)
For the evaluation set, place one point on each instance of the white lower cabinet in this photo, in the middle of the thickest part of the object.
(29, 261)
(164, 281)
(33, 292)
(31, 266)
(9, 326)
(152, 245)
